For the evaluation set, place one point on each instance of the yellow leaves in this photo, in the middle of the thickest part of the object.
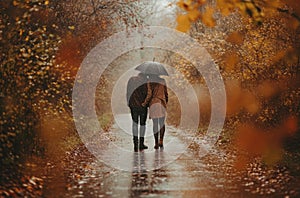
(201, 2)
(253, 9)
(189, 5)
(290, 55)
(21, 31)
(279, 56)
(235, 38)
(183, 23)
(184, 20)
(225, 6)
(193, 14)
(207, 17)
(271, 6)
(249, 8)
(185, 5)
(15, 3)
(71, 27)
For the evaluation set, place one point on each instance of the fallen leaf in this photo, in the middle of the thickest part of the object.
(235, 38)
(207, 17)
(183, 23)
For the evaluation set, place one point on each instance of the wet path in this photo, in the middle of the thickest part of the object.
(157, 173)
(167, 172)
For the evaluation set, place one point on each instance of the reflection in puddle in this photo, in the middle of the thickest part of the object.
(145, 182)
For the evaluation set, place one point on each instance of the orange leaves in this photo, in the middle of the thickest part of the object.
(273, 3)
(256, 10)
(271, 6)
(292, 23)
(257, 142)
(251, 139)
(252, 142)
(281, 54)
(185, 5)
(233, 91)
(69, 54)
(235, 38)
(193, 14)
(207, 17)
(289, 55)
(238, 99)
(225, 6)
(183, 23)
(230, 60)
(267, 89)
(184, 20)
(295, 5)
(250, 103)
(291, 125)
(272, 155)
(188, 5)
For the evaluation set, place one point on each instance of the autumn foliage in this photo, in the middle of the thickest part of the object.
(255, 45)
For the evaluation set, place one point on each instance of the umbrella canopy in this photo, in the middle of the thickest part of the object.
(151, 67)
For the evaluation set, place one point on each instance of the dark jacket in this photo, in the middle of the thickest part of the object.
(136, 91)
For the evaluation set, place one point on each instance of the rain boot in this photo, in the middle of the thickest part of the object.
(161, 137)
(142, 145)
(156, 140)
(135, 143)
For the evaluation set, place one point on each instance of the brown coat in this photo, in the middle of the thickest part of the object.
(157, 98)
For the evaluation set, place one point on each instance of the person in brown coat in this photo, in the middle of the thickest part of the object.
(157, 99)
(136, 94)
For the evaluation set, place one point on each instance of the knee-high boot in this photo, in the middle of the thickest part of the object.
(156, 140)
(161, 137)
(135, 143)
(142, 145)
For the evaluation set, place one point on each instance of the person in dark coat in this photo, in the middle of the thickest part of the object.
(136, 94)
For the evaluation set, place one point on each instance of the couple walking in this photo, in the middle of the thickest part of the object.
(148, 91)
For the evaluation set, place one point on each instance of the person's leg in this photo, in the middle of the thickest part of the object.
(161, 131)
(135, 119)
(143, 117)
(155, 132)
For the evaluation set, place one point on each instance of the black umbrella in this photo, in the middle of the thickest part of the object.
(151, 67)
